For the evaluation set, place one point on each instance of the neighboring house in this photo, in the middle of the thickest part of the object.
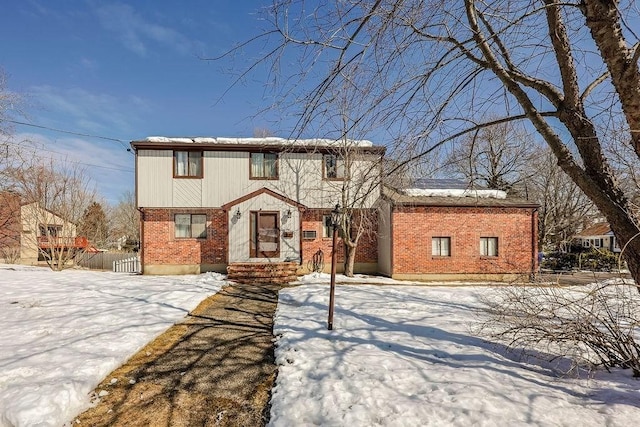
(598, 236)
(29, 230)
(441, 230)
(211, 203)
(215, 204)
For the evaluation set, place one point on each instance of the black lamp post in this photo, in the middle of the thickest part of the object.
(335, 223)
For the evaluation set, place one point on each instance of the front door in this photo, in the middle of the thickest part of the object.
(265, 235)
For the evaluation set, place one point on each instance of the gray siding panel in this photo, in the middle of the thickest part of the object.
(226, 178)
(155, 175)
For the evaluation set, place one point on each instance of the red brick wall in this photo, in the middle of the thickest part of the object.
(367, 251)
(159, 245)
(10, 222)
(413, 228)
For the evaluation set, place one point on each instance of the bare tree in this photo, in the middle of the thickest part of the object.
(564, 208)
(436, 68)
(55, 195)
(495, 157)
(125, 221)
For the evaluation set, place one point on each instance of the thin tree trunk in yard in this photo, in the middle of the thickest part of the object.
(350, 258)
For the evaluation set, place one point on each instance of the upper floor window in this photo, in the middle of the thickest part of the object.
(333, 167)
(264, 166)
(489, 246)
(192, 226)
(187, 164)
(441, 246)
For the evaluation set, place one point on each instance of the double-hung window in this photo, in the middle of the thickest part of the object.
(264, 166)
(190, 226)
(334, 167)
(187, 164)
(441, 246)
(489, 246)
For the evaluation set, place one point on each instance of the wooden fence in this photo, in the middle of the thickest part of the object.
(107, 261)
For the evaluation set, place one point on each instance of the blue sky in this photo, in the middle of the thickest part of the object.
(127, 70)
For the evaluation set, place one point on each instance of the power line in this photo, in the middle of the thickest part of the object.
(37, 149)
(120, 141)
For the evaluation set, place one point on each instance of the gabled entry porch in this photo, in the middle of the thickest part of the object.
(264, 237)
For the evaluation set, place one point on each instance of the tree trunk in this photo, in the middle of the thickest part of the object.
(350, 258)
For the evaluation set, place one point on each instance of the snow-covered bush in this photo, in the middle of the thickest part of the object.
(593, 325)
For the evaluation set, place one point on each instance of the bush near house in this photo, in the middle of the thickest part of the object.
(592, 259)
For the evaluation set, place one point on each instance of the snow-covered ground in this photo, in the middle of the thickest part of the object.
(398, 355)
(406, 356)
(63, 332)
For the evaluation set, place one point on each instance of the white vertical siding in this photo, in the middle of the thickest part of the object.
(154, 178)
(384, 238)
(239, 238)
(226, 178)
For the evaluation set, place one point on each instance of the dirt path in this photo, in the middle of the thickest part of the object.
(214, 369)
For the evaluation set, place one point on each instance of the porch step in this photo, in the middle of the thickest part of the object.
(253, 272)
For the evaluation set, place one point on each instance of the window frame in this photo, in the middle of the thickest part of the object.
(203, 235)
(338, 158)
(264, 153)
(484, 248)
(327, 227)
(200, 173)
(440, 239)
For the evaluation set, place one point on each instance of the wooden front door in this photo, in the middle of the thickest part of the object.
(265, 235)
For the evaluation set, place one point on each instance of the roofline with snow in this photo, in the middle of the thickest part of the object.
(255, 144)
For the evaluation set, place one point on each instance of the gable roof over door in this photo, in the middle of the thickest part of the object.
(263, 190)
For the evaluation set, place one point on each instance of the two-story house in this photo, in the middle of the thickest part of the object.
(29, 233)
(211, 203)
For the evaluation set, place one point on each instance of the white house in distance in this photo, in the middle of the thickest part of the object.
(598, 236)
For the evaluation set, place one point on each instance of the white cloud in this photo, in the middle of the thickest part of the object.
(91, 112)
(134, 31)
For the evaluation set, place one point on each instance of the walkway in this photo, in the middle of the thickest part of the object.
(214, 369)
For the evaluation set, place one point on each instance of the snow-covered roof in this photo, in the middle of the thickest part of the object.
(432, 187)
(469, 192)
(314, 142)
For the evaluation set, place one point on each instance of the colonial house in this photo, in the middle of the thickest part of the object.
(227, 204)
(28, 231)
(444, 230)
(598, 236)
(234, 204)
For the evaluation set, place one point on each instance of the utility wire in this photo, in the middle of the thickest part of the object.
(37, 149)
(120, 141)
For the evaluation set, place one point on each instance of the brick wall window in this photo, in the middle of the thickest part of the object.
(264, 166)
(489, 246)
(441, 246)
(333, 167)
(190, 226)
(327, 228)
(187, 164)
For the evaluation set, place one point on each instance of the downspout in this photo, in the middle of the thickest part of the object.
(300, 212)
(534, 243)
(141, 248)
